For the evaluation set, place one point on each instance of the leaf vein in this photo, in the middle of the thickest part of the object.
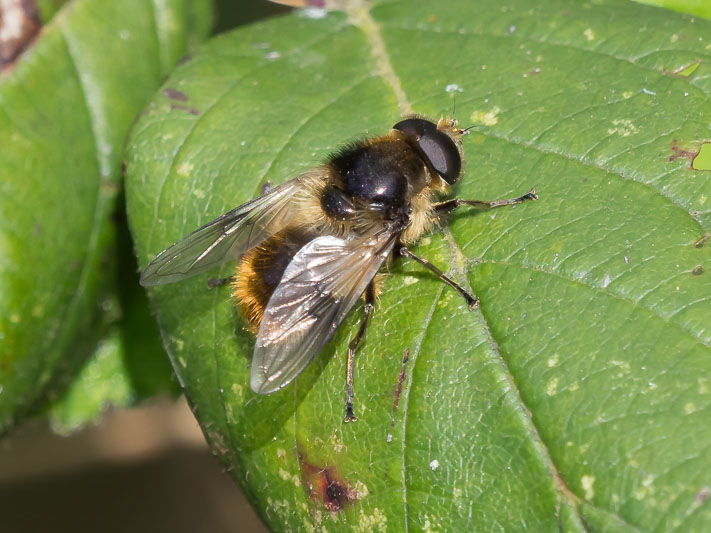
(634, 303)
(527, 420)
(560, 44)
(210, 108)
(674, 201)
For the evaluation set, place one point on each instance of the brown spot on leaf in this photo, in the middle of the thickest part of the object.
(397, 393)
(19, 24)
(698, 270)
(702, 495)
(701, 241)
(678, 152)
(186, 108)
(401, 379)
(175, 94)
(325, 485)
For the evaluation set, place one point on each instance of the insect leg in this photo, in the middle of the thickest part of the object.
(450, 205)
(219, 282)
(472, 301)
(353, 346)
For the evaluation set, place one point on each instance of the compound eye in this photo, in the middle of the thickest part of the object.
(443, 155)
(437, 147)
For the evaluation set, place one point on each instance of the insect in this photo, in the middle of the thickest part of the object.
(307, 250)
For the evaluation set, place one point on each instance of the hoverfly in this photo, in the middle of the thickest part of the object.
(308, 249)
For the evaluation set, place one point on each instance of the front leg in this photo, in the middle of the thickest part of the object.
(450, 205)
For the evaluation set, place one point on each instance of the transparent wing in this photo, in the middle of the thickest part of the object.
(228, 236)
(318, 289)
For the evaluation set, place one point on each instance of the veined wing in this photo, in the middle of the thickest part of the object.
(228, 236)
(317, 290)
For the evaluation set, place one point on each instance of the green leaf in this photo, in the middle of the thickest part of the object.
(103, 382)
(701, 8)
(48, 8)
(65, 108)
(577, 397)
(128, 365)
(142, 355)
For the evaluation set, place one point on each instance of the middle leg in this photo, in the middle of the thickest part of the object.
(472, 301)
